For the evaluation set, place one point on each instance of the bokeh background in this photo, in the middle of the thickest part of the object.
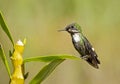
(39, 20)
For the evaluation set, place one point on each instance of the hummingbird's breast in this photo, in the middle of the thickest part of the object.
(78, 43)
(76, 37)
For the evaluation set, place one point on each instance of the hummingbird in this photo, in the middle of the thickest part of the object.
(82, 45)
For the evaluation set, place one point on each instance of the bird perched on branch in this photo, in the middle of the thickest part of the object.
(82, 45)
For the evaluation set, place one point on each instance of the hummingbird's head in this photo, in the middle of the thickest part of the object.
(73, 28)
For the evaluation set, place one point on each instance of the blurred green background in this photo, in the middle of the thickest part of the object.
(39, 20)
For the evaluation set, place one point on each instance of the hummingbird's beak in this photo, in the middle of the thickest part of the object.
(62, 30)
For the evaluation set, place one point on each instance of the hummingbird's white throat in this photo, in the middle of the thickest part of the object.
(76, 37)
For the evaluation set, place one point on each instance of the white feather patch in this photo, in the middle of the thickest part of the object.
(93, 49)
(76, 37)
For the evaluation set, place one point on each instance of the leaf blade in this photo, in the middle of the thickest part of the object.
(49, 58)
(5, 28)
(46, 71)
(4, 59)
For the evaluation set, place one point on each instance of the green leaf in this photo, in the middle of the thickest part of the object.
(54, 60)
(46, 71)
(49, 58)
(5, 28)
(4, 59)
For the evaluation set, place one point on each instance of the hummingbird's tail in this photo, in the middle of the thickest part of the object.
(93, 61)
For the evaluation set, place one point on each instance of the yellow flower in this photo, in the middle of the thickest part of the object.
(17, 60)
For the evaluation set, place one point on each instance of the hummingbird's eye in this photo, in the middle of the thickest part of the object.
(72, 26)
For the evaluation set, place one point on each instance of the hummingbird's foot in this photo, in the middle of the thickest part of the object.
(85, 57)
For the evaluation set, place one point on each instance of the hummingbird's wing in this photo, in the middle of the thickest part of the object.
(92, 56)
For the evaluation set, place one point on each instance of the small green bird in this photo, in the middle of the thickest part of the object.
(82, 45)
